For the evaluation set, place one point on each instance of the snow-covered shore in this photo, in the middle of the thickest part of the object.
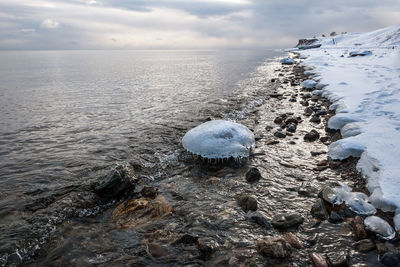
(365, 92)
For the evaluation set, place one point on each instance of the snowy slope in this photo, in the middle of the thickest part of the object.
(365, 92)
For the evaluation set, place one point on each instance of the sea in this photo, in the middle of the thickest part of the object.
(67, 118)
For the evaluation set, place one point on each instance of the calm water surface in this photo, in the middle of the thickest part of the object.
(68, 116)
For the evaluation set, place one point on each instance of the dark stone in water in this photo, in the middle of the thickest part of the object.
(259, 219)
(391, 259)
(279, 134)
(358, 228)
(285, 221)
(335, 217)
(278, 120)
(253, 175)
(117, 182)
(311, 136)
(315, 119)
(247, 202)
(275, 247)
(324, 139)
(318, 210)
(186, 239)
(319, 260)
(291, 127)
(321, 113)
(207, 247)
(292, 120)
(149, 191)
(365, 245)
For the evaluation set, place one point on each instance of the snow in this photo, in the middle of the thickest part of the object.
(309, 84)
(219, 139)
(365, 92)
(379, 226)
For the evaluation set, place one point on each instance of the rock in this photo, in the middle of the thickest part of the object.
(391, 259)
(253, 175)
(380, 227)
(293, 240)
(272, 142)
(259, 219)
(320, 168)
(117, 182)
(186, 239)
(291, 127)
(292, 120)
(315, 119)
(318, 209)
(357, 225)
(382, 248)
(311, 136)
(275, 247)
(364, 245)
(359, 53)
(319, 260)
(321, 113)
(292, 99)
(282, 125)
(207, 246)
(287, 61)
(246, 202)
(278, 120)
(335, 217)
(285, 221)
(317, 153)
(140, 212)
(308, 111)
(279, 134)
(307, 190)
(149, 191)
(324, 139)
(275, 95)
(156, 250)
(323, 162)
(304, 103)
(361, 207)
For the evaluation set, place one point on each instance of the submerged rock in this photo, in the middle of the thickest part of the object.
(358, 227)
(365, 245)
(318, 210)
(246, 202)
(319, 260)
(391, 259)
(285, 221)
(380, 227)
(149, 191)
(276, 247)
(253, 175)
(259, 219)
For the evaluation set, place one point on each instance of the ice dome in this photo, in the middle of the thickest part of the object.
(219, 139)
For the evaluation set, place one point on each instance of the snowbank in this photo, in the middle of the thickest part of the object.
(365, 91)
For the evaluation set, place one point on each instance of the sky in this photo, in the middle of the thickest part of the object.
(183, 24)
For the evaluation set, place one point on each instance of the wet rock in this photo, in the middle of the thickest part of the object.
(285, 221)
(292, 120)
(292, 239)
(275, 247)
(318, 210)
(140, 212)
(319, 260)
(292, 99)
(117, 182)
(282, 125)
(330, 194)
(272, 142)
(364, 245)
(291, 127)
(307, 190)
(269, 128)
(253, 175)
(304, 103)
(275, 95)
(381, 248)
(357, 225)
(186, 239)
(259, 219)
(278, 120)
(334, 164)
(361, 207)
(149, 191)
(308, 111)
(155, 250)
(324, 139)
(321, 113)
(391, 259)
(320, 168)
(279, 134)
(207, 246)
(246, 202)
(315, 119)
(317, 153)
(323, 162)
(335, 217)
(311, 136)
(380, 227)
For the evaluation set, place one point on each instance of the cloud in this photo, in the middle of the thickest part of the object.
(203, 24)
(50, 24)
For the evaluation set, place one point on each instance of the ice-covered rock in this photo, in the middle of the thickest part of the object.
(309, 84)
(219, 139)
(379, 226)
(360, 206)
(345, 148)
(287, 61)
(360, 53)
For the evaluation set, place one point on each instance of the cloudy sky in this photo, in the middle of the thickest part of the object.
(188, 24)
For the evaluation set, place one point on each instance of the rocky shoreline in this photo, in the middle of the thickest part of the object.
(276, 210)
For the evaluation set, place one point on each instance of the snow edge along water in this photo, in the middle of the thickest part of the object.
(365, 91)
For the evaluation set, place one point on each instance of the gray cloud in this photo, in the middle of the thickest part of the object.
(123, 24)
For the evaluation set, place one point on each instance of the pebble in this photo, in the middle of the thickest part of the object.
(275, 247)
(259, 219)
(319, 260)
(291, 127)
(272, 142)
(246, 202)
(315, 119)
(278, 120)
(311, 136)
(357, 225)
(279, 134)
(364, 245)
(253, 175)
(285, 221)
(149, 191)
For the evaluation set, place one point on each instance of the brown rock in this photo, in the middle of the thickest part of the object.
(278, 120)
(319, 260)
(140, 212)
(358, 228)
(272, 142)
(311, 136)
(291, 120)
(323, 162)
(275, 247)
(318, 210)
(149, 191)
(365, 245)
(246, 202)
(292, 240)
(156, 250)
